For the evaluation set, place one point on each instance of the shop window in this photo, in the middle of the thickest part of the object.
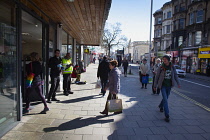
(191, 19)
(198, 35)
(199, 17)
(180, 40)
(64, 44)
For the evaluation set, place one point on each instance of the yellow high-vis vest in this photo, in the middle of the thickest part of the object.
(66, 62)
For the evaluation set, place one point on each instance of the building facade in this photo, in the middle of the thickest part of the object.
(140, 48)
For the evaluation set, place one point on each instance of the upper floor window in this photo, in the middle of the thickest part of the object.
(181, 23)
(190, 39)
(180, 40)
(191, 19)
(199, 17)
(168, 29)
(169, 14)
(164, 16)
(176, 8)
(159, 20)
(198, 35)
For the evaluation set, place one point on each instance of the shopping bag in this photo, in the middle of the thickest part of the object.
(150, 79)
(115, 105)
(145, 79)
(98, 84)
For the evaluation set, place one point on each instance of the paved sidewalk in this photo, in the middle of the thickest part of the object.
(77, 117)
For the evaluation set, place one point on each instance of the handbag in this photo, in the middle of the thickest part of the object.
(98, 84)
(115, 105)
(29, 78)
(145, 79)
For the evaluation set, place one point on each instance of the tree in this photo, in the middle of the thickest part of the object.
(112, 37)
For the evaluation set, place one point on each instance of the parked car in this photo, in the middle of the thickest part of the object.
(179, 71)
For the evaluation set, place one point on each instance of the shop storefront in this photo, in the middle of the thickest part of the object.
(174, 57)
(204, 56)
(189, 60)
(22, 32)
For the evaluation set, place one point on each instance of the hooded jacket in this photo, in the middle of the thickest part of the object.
(114, 80)
(159, 77)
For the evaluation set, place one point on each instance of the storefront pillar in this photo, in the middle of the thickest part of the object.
(59, 36)
(74, 48)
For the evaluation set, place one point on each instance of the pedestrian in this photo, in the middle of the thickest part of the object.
(94, 60)
(35, 67)
(125, 67)
(55, 65)
(165, 79)
(67, 70)
(144, 71)
(155, 68)
(113, 85)
(103, 74)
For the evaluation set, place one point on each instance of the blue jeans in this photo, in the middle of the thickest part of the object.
(164, 103)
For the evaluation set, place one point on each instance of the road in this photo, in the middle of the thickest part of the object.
(197, 91)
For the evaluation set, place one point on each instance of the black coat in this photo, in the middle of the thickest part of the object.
(125, 64)
(103, 70)
(53, 62)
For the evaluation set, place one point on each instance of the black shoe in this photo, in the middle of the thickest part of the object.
(167, 119)
(70, 92)
(54, 99)
(161, 109)
(104, 113)
(49, 101)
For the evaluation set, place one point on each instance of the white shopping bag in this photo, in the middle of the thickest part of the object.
(115, 105)
(98, 84)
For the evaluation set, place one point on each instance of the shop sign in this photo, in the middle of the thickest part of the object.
(161, 53)
(204, 53)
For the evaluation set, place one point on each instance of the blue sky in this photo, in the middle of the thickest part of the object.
(134, 15)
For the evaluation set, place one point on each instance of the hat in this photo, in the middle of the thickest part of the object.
(144, 59)
(158, 59)
(167, 57)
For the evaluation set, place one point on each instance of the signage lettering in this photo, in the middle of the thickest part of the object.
(204, 52)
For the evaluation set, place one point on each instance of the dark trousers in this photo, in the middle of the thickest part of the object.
(125, 70)
(55, 81)
(158, 90)
(66, 82)
(143, 85)
(110, 96)
(103, 86)
(38, 88)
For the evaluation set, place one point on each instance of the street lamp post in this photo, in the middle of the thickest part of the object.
(150, 36)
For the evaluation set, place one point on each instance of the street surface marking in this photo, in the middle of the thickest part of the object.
(195, 83)
(193, 101)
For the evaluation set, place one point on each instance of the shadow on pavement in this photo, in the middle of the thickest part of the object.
(78, 123)
(80, 99)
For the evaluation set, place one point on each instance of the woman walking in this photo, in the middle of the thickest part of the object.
(36, 68)
(144, 71)
(113, 84)
(165, 79)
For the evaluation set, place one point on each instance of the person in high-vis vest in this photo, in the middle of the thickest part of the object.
(67, 71)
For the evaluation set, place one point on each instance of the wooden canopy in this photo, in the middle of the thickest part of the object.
(84, 20)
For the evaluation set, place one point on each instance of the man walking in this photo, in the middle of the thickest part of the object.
(125, 67)
(67, 70)
(103, 73)
(165, 79)
(155, 68)
(55, 65)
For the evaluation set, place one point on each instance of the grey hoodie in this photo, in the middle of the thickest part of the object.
(159, 77)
